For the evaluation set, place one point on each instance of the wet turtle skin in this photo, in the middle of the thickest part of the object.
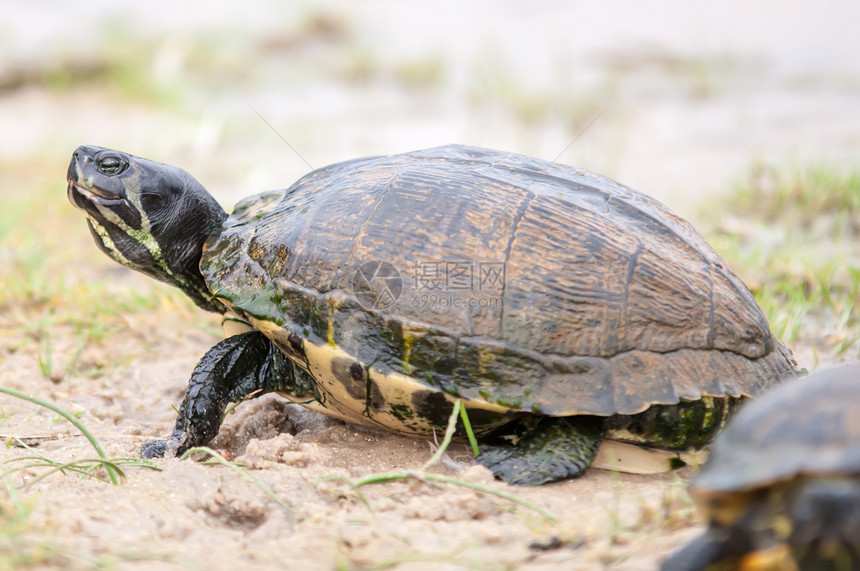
(783, 481)
(560, 306)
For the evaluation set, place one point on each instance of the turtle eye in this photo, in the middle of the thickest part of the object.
(110, 165)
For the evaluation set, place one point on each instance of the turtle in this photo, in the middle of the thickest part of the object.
(781, 488)
(560, 307)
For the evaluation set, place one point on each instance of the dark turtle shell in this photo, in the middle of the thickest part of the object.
(807, 427)
(514, 283)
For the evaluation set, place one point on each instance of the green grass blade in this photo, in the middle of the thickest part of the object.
(467, 424)
(84, 466)
(46, 362)
(73, 420)
(449, 434)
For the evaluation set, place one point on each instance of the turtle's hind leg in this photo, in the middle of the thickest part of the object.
(244, 365)
(545, 449)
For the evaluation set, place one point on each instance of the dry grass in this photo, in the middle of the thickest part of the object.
(793, 237)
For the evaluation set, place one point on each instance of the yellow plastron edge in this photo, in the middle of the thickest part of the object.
(632, 459)
(232, 325)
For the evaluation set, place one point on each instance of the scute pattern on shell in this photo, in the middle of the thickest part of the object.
(610, 303)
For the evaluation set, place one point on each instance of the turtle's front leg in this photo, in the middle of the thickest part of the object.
(240, 366)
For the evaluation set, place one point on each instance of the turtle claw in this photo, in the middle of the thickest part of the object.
(168, 448)
(173, 446)
(153, 449)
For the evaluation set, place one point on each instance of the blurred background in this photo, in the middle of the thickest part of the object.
(684, 96)
(742, 117)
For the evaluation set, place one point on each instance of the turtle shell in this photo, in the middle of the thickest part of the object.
(806, 427)
(511, 282)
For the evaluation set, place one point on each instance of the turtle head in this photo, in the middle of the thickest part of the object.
(148, 216)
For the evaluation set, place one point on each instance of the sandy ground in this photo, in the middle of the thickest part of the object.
(190, 515)
(688, 99)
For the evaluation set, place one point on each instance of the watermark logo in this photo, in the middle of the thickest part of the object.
(435, 285)
(459, 276)
(377, 285)
(438, 285)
